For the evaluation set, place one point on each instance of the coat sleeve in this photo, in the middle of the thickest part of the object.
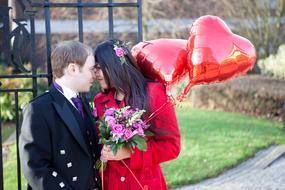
(36, 152)
(165, 144)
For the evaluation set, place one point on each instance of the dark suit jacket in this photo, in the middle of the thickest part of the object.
(53, 148)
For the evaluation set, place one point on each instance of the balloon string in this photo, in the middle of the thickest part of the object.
(170, 102)
(182, 96)
(102, 175)
(159, 110)
(187, 88)
(133, 175)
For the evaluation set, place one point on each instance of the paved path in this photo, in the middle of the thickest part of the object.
(6, 145)
(265, 171)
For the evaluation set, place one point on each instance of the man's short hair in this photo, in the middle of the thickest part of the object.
(68, 52)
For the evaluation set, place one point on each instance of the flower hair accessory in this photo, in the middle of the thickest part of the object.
(120, 52)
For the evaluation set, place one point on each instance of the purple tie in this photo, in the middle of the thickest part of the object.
(78, 104)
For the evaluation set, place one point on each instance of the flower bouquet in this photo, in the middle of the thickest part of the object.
(120, 128)
(124, 127)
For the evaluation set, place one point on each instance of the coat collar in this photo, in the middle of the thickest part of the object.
(60, 104)
(109, 101)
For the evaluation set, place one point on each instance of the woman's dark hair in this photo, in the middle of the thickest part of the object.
(120, 72)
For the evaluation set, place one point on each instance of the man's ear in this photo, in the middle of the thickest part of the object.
(72, 68)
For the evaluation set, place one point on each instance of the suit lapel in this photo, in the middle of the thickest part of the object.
(86, 108)
(61, 106)
(91, 118)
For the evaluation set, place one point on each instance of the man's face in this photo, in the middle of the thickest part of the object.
(85, 77)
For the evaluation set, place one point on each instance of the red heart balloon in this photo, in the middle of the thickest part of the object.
(162, 59)
(215, 53)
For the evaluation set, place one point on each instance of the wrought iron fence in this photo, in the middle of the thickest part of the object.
(14, 41)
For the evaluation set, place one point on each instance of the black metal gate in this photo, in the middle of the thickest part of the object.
(13, 41)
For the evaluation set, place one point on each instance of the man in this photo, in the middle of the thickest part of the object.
(58, 142)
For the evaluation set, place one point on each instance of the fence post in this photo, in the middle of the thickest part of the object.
(283, 115)
(1, 153)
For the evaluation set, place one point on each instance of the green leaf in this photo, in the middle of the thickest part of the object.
(140, 142)
(114, 148)
(119, 146)
(149, 133)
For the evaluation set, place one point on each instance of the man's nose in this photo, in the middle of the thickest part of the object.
(93, 75)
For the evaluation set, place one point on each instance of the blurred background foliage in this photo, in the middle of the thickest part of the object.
(260, 21)
(7, 100)
(274, 64)
(261, 94)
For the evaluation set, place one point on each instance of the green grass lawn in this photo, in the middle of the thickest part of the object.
(10, 168)
(212, 142)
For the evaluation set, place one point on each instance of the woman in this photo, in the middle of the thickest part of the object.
(123, 84)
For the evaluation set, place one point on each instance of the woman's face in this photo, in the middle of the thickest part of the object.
(100, 77)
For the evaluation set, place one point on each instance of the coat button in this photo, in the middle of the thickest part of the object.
(145, 187)
(61, 184)
(69, 164)
(54, 174)
(123, 179)
(74, 178)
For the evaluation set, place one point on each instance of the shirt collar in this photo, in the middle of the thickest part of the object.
(67, 92)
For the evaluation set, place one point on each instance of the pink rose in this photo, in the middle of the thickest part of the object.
(119, 51)
(109, 111)
(117, 129)
(140, 131)
(136, 125)
(94, 113)
(128, 134)
(110, 120)
(127, 113)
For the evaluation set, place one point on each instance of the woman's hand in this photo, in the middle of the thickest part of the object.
(107, 153)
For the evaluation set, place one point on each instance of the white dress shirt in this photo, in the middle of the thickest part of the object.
(67, 92)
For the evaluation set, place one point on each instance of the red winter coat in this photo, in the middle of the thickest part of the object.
(163, 146)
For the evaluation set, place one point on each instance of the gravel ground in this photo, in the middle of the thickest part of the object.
(265, 171)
